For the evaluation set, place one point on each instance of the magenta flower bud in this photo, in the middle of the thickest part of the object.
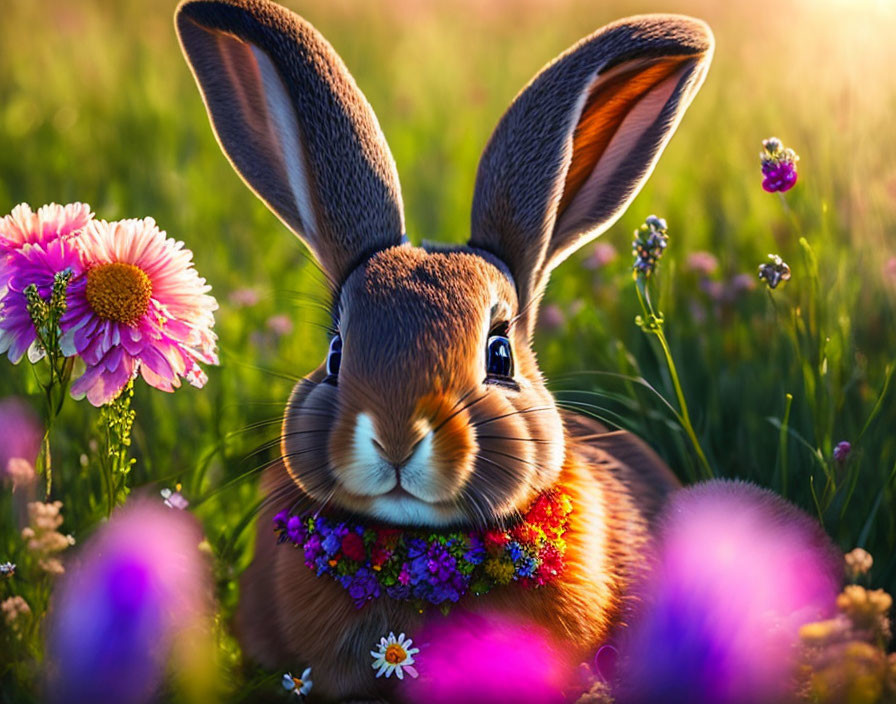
(841, 451)
(778, 166)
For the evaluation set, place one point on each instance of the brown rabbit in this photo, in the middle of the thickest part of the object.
(430, 410)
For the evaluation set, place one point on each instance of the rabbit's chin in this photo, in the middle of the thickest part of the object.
(407, 510)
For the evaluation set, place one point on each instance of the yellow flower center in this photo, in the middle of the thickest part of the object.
(119, 292)
(395, 654)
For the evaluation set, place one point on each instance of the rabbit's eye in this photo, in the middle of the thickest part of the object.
(499, 359)
(334, 358)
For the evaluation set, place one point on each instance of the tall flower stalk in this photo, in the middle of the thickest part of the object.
(651, 240)
(45, 315)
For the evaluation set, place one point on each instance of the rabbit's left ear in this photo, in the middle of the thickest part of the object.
(578, 142)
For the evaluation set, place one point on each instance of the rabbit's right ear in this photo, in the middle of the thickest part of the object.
(290, 118)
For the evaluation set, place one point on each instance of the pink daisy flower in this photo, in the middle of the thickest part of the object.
(22, 226)
(31, 264)
(140, 307)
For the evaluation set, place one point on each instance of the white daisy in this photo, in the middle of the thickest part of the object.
(394, 655)
(301, 686)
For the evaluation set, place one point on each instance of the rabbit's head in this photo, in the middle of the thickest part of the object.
(429, 408)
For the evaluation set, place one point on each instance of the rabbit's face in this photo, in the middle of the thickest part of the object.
(430, 409)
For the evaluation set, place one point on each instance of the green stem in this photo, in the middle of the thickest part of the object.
(782, 443)
(655, 326)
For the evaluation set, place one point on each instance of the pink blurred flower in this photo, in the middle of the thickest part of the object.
(20, 432)
(279, 324)
(140, 307)
(551, 317)
(702, 263)
(486, 658)
(737, 571)
(890, 270)
(244, 297)
(602, 254)
(35, 264)
(140, 590)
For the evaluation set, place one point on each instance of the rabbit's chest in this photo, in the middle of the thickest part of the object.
(324, 627)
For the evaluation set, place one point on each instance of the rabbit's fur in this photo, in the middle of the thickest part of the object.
(411, 430)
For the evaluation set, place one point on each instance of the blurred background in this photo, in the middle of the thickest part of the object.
(97, 105)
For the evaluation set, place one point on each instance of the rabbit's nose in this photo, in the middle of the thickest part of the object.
(399, 455)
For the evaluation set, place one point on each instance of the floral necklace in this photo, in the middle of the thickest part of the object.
(433, 567)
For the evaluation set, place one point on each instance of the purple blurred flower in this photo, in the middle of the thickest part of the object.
(487, 658)
(140, 587)
(20, 433)
(841, 451)
(736, 572)
(778, 166)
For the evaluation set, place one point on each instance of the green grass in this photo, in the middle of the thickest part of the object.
(96, 104)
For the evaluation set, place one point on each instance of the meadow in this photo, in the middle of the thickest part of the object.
(98, 105)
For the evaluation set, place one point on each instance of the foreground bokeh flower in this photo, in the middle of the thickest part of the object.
(32, 265)
(23, 226)
(139, 593)
(737, 571)
(140, 307)
(487, 658)
(778, 166)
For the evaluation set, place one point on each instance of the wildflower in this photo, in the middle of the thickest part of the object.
(32, 274)
(15, 609)
(858, 563)
(551, 317)
(648, 246)
(244, 297)
(280, 325)
(300, 686)
(394, 655)
(139, 595)
(602, 254)
(42, 537)
(174, 499)
(20, 433)
(702, 263)
(778, 166)
(841, 451)
(140, 307)
(50, 222)
(774, 272)
(7, 569)
(866, 608)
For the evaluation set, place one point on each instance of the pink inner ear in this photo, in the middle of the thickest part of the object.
(242, 75)
(611, 97)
